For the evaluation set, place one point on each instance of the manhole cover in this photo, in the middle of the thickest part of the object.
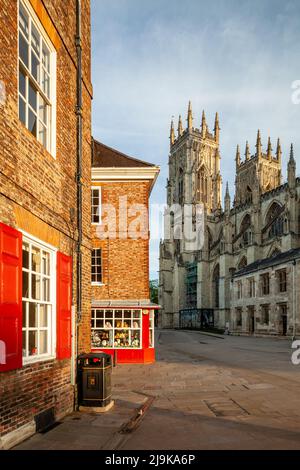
(226, 407)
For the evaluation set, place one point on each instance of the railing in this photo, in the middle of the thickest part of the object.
(196, 318)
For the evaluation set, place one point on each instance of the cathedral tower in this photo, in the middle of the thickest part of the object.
(258, 172)
(194, 164)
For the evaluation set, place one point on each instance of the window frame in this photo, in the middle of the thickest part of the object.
(50, 100)
(281, 282)
(113, 328)
(97, 188)
(265, 286)
(97, 283)
(52, 340)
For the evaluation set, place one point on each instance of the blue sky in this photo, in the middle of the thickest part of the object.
(149, 58)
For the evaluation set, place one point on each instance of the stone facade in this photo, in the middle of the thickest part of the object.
(38, 196)
(263, 222)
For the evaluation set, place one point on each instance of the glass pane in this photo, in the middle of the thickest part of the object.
(35, 39)
(24, 343)
(35, 287)
(46, 263)
(33, 315)
(23, 50)
(46, 57)
(32, 122)
(43, 134)
(136, 314)
(136, 324)
(45, 83)
(22, 110)
(108, 323)
(46, 290)
(118, 314)
(43, 342)
(102, 338)
(136, 339)
(35, 67)
(32, 97)
(36, 259)
(43, 316)
(108, 314)
(32, 346)
(99, 323)
(122, 339)
(22, 84)
(43, 110)
(24, 320)
(99, 313)
(23, 21)
(25, 285)
(127, 313)
(25, 261)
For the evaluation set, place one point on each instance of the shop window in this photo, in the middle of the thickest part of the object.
(97, 266)
(96, 205)
(37, 300)
(281, 277)
(116, 328)
(151, 328)
(36, 79)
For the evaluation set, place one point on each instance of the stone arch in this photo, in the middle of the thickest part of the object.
(274, 220)
(245, 229)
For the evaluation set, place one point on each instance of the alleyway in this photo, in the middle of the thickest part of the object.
(210, 392)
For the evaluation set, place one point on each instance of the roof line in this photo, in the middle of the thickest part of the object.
(123, 154)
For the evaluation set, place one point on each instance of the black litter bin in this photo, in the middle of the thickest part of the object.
(94, 379)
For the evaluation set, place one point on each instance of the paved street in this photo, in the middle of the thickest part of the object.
(210, 392)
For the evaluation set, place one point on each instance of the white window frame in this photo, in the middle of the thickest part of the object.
(51, 100)
(97, 283)
(113, 328)
(99, 213)
(152, 328)
(51, 353)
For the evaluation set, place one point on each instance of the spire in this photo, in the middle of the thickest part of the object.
(180, 128)
(190, 117)
(203, 125)
(247, 151)
(172, 134)
(292, 169)
(278, 150)
(227, 199)
(258, 144)
(292, 159)
(238, 156)
(269, 150)
(217, 128)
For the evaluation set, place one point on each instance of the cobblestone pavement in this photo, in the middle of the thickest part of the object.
(210, 392)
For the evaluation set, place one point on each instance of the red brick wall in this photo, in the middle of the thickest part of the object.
(125, 261)
(37, 192)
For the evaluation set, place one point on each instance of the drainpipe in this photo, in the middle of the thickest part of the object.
(79, 160)
(78, 111)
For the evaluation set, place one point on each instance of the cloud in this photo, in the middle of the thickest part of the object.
(238, 58)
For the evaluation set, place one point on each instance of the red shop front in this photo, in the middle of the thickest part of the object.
(124, 331)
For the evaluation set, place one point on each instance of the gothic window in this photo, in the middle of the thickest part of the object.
(180, 186)
(246, 230)
(216, 286)
(275, 221)
(248, 194)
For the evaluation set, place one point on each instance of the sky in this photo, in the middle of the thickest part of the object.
(240, 58)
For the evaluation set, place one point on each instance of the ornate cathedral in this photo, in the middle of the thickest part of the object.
(247, 271)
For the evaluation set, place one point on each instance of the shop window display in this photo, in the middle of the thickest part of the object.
(116, 328)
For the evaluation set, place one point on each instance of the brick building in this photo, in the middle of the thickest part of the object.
(45, 148)
(122, 315)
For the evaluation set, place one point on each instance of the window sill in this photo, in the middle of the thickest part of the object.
(34, 360)
(98, 284)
